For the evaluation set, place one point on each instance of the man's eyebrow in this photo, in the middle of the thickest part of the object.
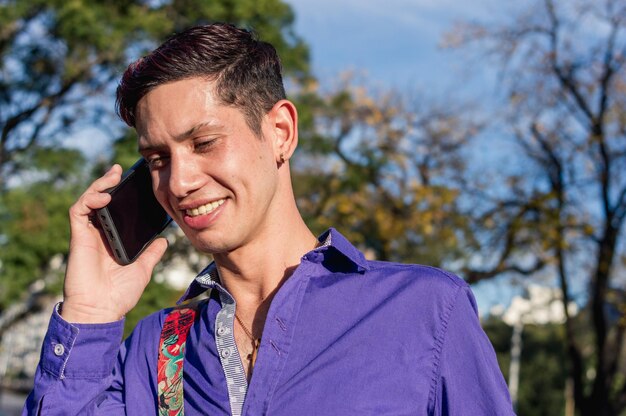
(209, 124)
(182, 136)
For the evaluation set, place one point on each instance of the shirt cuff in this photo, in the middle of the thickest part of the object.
(80, 351)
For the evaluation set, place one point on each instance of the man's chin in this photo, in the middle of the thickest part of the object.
(210, 244)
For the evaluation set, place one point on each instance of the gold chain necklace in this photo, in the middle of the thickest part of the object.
(256, 342)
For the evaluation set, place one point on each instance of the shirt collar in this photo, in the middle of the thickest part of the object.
(332, 242)
(205, 280)
(338, 244)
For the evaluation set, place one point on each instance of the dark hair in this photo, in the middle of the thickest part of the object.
(246, 71)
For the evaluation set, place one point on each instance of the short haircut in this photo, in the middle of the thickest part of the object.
(245, 70)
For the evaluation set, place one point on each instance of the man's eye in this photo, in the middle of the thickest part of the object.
(155, 162)
(204, 145)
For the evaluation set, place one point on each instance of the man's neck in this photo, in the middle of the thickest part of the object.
(254, 272)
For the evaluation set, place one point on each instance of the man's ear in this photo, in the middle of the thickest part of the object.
(284, 125)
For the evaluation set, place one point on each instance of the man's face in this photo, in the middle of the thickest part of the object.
(211, 173)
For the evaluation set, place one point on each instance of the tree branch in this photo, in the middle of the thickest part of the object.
(13, 122)
(474, 276)
(565, 79)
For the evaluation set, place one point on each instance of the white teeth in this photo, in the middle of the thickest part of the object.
(204, 209)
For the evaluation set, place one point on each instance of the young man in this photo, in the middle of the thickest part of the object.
(293, 324)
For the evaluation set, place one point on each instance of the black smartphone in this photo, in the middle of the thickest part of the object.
(134, 217)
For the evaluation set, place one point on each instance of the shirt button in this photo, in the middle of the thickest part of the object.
(225, 353)
(59, 349)
(221, 331)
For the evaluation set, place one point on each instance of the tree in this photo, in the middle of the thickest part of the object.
(563, 70)
(543, 367)
(385, 169)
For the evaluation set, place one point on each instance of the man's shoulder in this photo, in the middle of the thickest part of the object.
(416, 286)
(416, 274)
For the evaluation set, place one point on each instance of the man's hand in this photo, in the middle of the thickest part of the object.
(97, 289)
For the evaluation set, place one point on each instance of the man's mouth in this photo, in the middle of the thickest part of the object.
(204, 209)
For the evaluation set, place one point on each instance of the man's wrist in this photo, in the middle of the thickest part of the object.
(83, 315)
(80, 350)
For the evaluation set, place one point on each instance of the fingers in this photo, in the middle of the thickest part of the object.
(108, 180)
(95, 196)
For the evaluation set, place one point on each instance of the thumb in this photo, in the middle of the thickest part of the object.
(152, 254)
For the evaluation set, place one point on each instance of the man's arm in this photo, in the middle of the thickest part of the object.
(75, 374)
(470, 381)
(77, 360)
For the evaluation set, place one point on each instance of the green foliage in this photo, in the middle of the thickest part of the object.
(125, 149)
(33, 220)
(543, 367)
(500, 334)
(543, 371)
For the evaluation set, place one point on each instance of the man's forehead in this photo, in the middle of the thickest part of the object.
(169, 96)
(180, 109)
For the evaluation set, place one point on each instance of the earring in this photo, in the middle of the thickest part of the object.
(282, 158)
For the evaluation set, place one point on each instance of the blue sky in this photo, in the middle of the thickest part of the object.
(395, 42)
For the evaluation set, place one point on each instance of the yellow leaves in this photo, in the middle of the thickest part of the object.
(388, 224)
(375, 116)
(588, 230)
(344, 206)
(392, 221)
(310, 86)
(379, 173)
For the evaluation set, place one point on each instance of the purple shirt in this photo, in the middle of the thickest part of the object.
(343, 336)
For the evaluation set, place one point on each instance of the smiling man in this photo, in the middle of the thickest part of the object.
(290, 324)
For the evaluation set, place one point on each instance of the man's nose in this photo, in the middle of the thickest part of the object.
(185, 176)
